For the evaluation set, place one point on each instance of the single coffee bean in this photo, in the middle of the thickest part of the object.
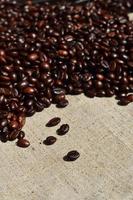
(130, 97)
(53, 122)
(33, 56)
(50, 140)
(23, 143)
(63, 129)
(72, 156)
(3, 123)
(21, 135)
(29, 90)
(13, 135)
(63, 103)
(90, 93)
(123, 101)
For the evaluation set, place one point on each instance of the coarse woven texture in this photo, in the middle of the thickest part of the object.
(100, 130)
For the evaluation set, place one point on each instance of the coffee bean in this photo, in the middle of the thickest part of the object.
(63, 129)
(130, 97)
(21, 135)
(123, 101)
(29, 90)
(63, 103)
(23, 143)
(90, 93)
(33, 56)
(50, 140)
(13, 135)
(3, 123)
(53, 122)
(72, 156)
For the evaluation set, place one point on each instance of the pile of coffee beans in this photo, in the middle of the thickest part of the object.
(50, 50)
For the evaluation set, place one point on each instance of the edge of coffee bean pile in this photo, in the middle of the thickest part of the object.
(50, 50)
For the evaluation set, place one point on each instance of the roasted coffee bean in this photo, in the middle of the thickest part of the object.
(53, 122)
(33, 56)
(50, 140)
(21, 135)
(14, 124)
(130, 97)
(3, 123)
(63, 103)
(30, 112)
(63, 129)
(59, 98)
(90, 93)
(109, 93)
(29, 90)
(72, 156)
(39, 106)
(13, 135)
(123, 101)
(100, 93)
(23, 143)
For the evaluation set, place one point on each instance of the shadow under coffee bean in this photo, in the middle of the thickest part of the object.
(75, 48)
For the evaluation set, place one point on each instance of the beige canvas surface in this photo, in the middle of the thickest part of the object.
(100, 130)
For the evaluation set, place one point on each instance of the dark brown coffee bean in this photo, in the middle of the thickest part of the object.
(77, 91)
(59, 98)
(62, 53)
(21, 135)
(63, 103)
(63, 129)
(13, 135)
(72, 156)
(53, 122)
(23, 143)
(3, 123)
(50, 140)
(90, 93)
(58, 91)
(29, 90)
(33, 56)
(14, 124)
(100, 77)
(130, 97)
(98, 84)
(30, 112)
(109, 93)
(100, 93)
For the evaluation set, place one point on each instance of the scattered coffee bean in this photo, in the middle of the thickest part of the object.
(72, 156)
(53, 122)
(23, 143)
(63, 129)
(50, 140)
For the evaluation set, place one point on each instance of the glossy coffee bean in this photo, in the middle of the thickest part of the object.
(13, 135)
(53, 122)
(23, 143)
(50, 140)
(72, 156)
(63, 103)
(21, 135)
(123, 101)
(63, 129)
